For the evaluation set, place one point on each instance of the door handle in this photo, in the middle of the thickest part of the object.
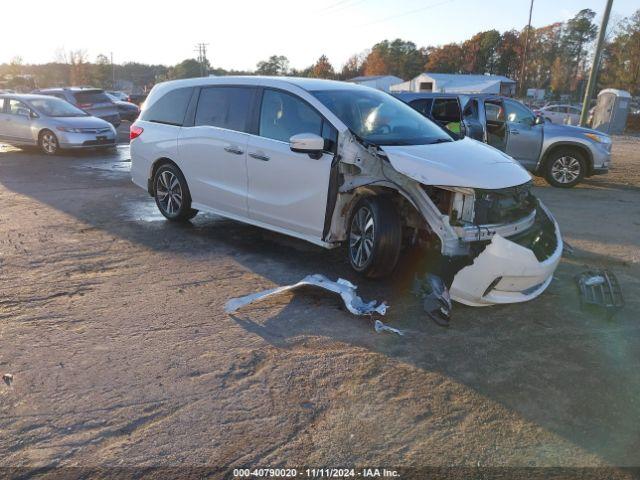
(234, 150)
(259, 156)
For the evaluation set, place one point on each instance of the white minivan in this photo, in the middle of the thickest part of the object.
(331, 163)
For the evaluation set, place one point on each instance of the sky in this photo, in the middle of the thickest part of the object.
(240, 33)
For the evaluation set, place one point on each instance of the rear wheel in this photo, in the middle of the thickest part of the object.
(172, 194)
(375, 237)
(48, 142)
(565, 168)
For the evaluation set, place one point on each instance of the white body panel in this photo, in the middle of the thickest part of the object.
(289, 190)
(465, 163)
(214, 160)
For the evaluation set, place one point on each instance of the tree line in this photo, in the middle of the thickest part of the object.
(558, 59)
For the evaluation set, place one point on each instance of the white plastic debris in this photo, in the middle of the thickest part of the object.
(342, 287)
(381, 327)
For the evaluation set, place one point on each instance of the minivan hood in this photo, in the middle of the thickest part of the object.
(463, 163)
(81, 122)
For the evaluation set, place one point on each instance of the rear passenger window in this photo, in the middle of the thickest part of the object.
(169, 109)
(224, 107)
(422, 105)
(283, 115)
(446, 110)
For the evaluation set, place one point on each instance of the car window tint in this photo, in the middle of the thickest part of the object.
(170, 108)
(517, 113)
(422, 105)
(471, 110)
(283, 115)
(224, 107)
(446, 110)
(494, 112)
(91, 97)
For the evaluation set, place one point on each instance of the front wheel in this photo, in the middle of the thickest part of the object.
(375, 237)
(172, 194)
(48, 142)
(565, 168)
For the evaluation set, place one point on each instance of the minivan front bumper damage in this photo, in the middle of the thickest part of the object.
(507, 272)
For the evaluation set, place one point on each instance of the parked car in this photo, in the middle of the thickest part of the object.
(127, 110)
(51, 123)
(94, 101)
(563, 154)
(563, 114)
(332, 162)
(122, 96)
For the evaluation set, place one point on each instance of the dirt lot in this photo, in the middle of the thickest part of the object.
(112, 324)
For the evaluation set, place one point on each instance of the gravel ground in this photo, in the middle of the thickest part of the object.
(112, 324)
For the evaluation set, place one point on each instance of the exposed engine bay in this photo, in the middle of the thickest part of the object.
(461, 222)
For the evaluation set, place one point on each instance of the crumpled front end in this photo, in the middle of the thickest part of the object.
(512, 270)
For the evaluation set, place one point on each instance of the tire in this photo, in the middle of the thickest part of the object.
(565, 168)
(374, 237)
(48, 142)
(171, 193)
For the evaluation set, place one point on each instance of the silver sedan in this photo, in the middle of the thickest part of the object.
(51, 123)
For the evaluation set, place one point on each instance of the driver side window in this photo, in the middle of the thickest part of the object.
(283, 115)
(517, 113)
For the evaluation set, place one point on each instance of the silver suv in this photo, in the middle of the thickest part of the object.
(563, 154)
(94, 101)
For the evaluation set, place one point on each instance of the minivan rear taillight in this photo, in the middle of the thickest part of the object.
(84, 105)
(135, 131)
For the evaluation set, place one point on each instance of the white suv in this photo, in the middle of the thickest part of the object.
(332, 163)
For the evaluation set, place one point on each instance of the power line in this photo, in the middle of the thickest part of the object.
(337, 4)
(393, 17)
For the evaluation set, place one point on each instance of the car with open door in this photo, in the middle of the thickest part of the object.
(337, 164)
(562, 154)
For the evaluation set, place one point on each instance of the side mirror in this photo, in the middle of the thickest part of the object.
(539, 120)
(308, 143)
(23, 112)
(33, 114)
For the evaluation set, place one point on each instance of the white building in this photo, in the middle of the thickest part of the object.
(381, 82)
(458, 83)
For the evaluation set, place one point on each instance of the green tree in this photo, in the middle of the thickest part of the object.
(275, 65)
(189, 68)
(621, 65)
(445, 59)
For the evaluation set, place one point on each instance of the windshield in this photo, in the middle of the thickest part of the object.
(55, 107)
(381, 119)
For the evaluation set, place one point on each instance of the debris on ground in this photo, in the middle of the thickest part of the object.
(342, 287)
(435, 297)
(7, 378)
(381, 327)
(600, 288)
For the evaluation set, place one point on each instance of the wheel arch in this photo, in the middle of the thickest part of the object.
(154, 168)
(402, 201)
(578, 147)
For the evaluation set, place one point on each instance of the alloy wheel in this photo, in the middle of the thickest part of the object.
(361, 237)
(169, 192)
(565, 169)
(49, 143)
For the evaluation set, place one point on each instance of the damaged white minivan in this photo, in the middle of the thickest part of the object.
(336, 163)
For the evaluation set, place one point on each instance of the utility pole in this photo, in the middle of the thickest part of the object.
(593, 75)
(113, 73)
(201, 48)
(524, 53)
